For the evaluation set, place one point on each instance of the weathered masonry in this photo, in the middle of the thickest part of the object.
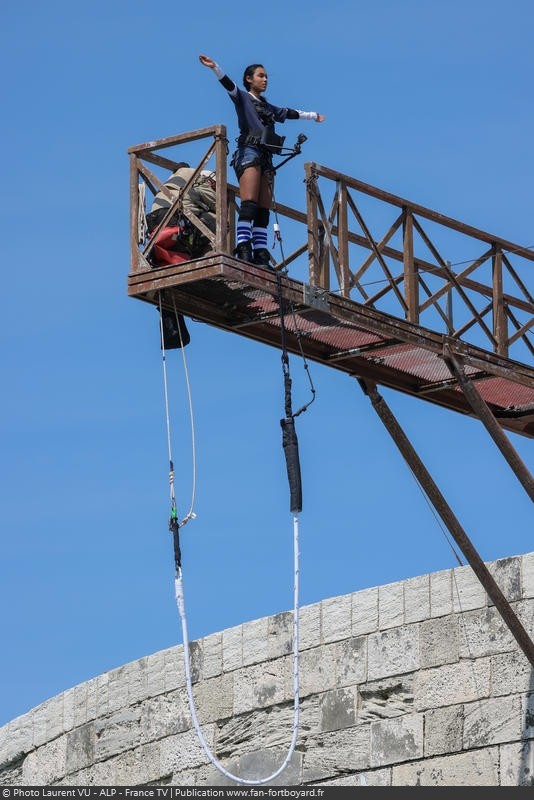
(413, 683)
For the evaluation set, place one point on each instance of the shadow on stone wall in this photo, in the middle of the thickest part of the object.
(525, 776)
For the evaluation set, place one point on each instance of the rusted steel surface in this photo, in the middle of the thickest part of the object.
(393, 305)
(347, 336)
(449, 518)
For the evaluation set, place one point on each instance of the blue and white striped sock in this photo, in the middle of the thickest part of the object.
(259, 237)
(244, 230)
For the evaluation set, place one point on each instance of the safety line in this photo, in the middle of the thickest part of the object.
(180, 602)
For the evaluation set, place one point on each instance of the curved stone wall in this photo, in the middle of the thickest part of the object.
(413, 683)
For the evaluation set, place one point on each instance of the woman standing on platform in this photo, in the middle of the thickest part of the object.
(252, 161)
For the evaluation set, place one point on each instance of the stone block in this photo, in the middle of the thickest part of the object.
(102, 773)
(309, 716)
(117, 689)
(184, 751)
(39, 724)
(443, 730)
(91, 699)
(310, 626)
(351, 661)
(68, 710)
(527, 715)
(467, 591)
(336, 753)
(393, 652)
(19, 737)
(11, 774)
(527, 575)
(337, 709)
(365, 611)
(478, 768)
(117, 732)
(255, 730)
(214, 697)
(174, 668)
(232, 648)
(155, 677)
(54, 717)
(80, 750)
(102, 694)
(451, 684)
(255, 641)
(196, 658)
(138, 767)
(263, 685)
(164, 715)
(416, 599)
(511, 673)
(280, 634)
(484, 633)
(525, 614)
(396, 740)
(517, 763)
(210, 775)
(491, 721)
(5, 755)
(439, 641)
(136, 676)
(79, 705)
(45, 765)
(390, 605)
(386, 698)
(441, 593)
(212, 649)
(375, 777)
(317, 669)
(507, 574)
(336, 615)
(263, 763)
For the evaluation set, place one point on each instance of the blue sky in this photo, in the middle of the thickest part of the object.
(432, 101)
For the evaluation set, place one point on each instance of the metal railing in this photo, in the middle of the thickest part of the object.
(406, 270)
(413, 279)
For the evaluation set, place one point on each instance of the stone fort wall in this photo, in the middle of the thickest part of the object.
(412, 683)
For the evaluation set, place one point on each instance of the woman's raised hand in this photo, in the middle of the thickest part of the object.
(207, 61)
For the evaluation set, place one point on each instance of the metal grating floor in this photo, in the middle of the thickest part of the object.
(340, 333)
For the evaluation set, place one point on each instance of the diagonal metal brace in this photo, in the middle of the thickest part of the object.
(447, 515)
(485, 415)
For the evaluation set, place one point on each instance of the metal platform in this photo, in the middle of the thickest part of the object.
(341, 333)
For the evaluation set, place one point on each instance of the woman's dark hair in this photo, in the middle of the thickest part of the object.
(249, 72)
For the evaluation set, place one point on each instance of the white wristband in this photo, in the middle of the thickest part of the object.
(307, 114)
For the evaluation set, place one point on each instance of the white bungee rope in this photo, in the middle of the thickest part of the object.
(179, 591)
(180, 601)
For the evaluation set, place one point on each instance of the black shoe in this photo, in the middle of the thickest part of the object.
(243, 251)
(262, 257)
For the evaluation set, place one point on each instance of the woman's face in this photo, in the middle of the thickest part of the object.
(258, 82)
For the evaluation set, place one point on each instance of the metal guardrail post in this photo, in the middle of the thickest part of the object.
(221, 213)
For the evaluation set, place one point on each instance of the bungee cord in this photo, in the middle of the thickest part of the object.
(293, 467)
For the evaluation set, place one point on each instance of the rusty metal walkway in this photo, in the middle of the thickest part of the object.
(342, 334)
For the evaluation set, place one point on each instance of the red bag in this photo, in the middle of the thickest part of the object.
(168, 249)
